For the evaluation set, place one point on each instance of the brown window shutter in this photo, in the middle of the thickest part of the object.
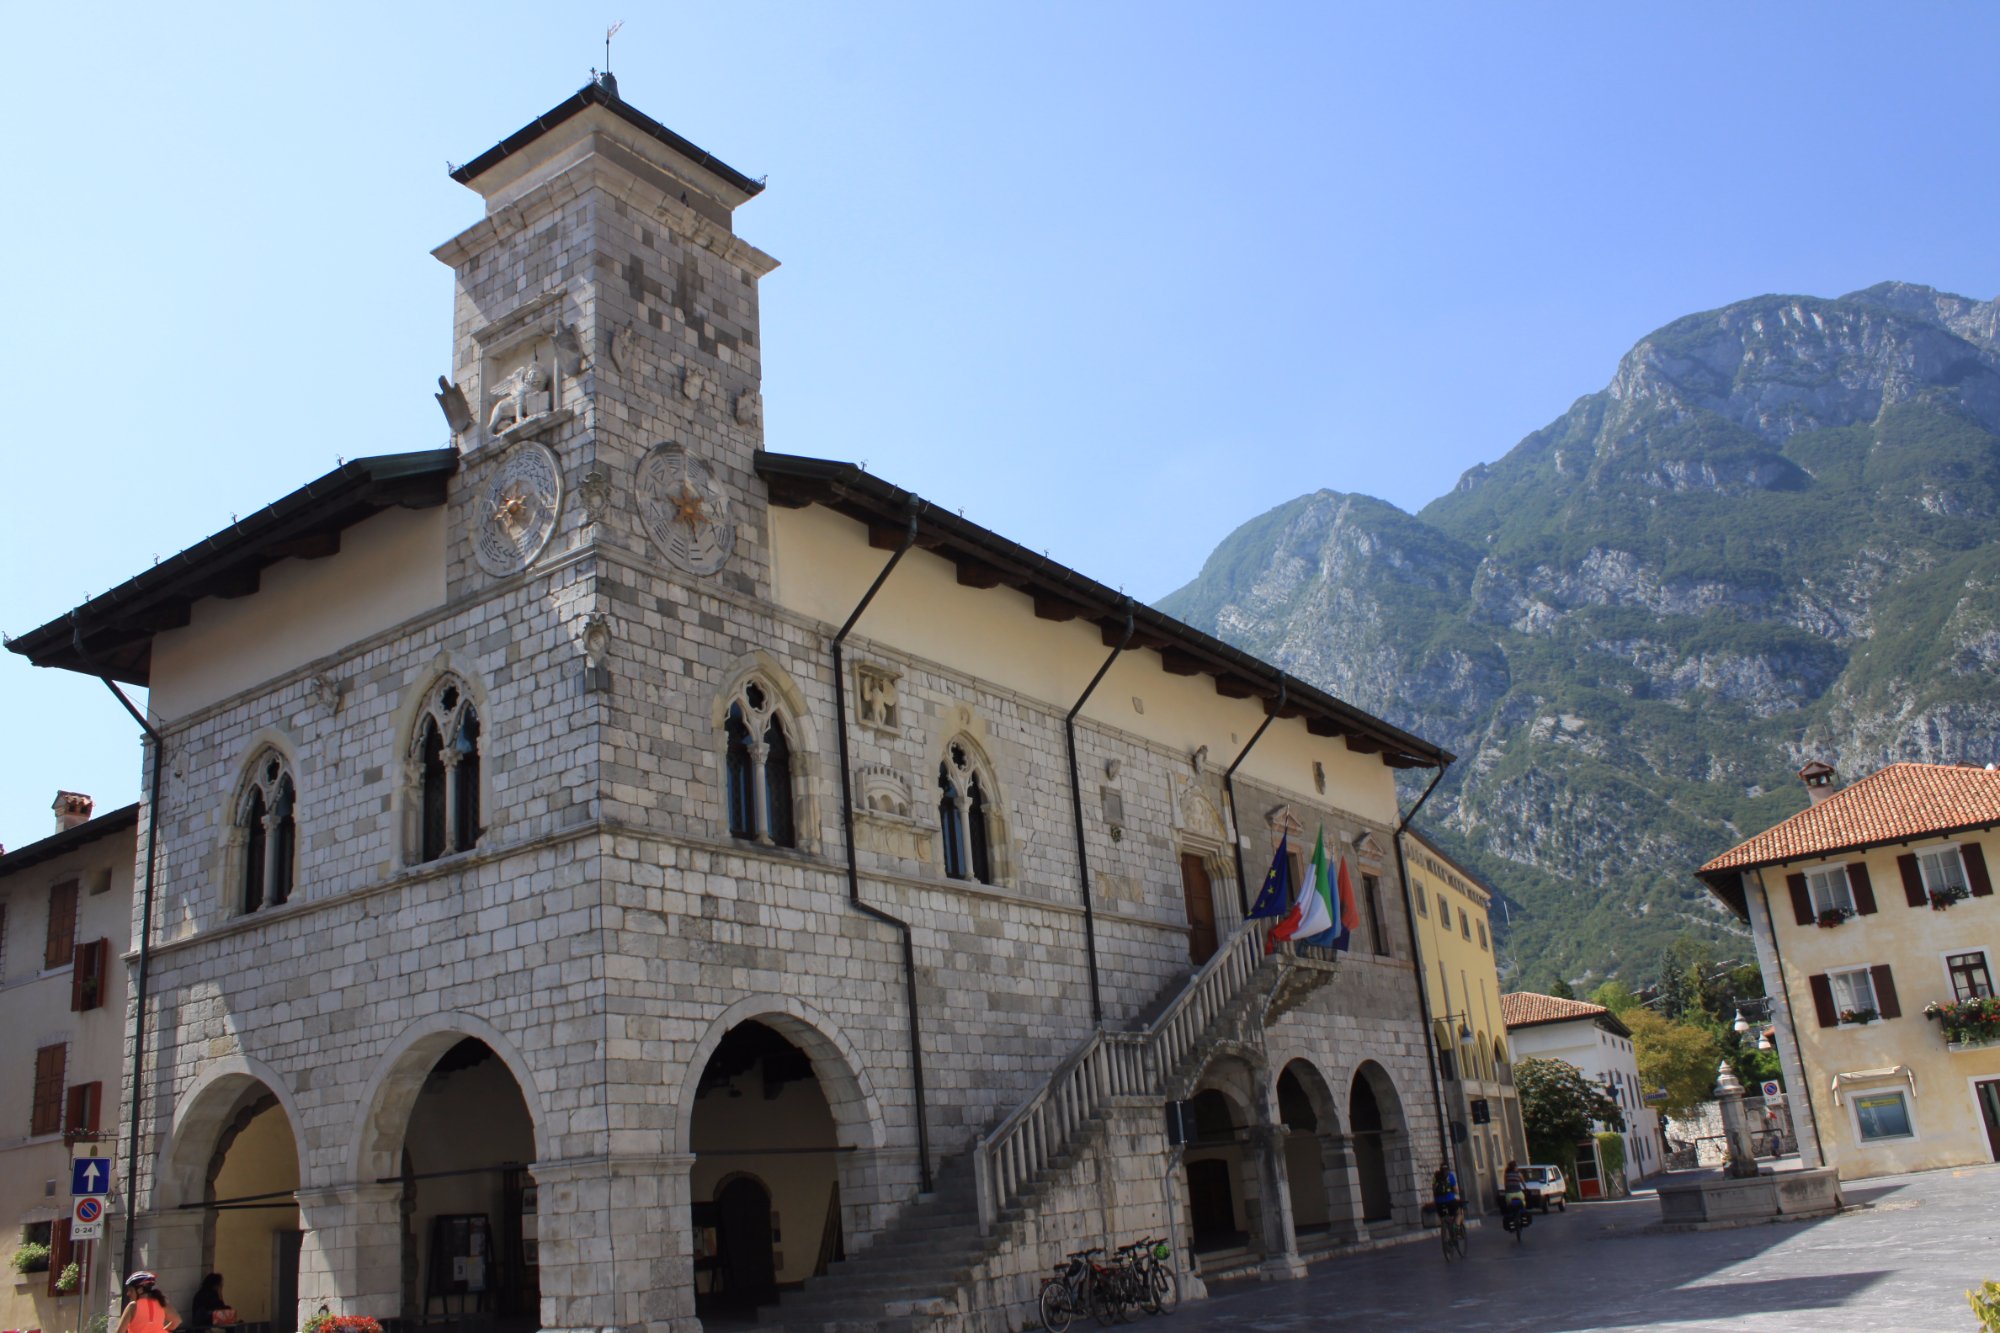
(1885, 991)
(1822, 993)
(85, 1104)
(61, 1252)
(1913, 880)
(1864, 887)
(61, 939)
(1801, 900)
(1976, 877)
(86, 979)
(45, 1115)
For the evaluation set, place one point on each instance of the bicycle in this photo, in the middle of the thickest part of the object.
(1067, 1294)
(1159, 1281)
(1114, 1288)
(1452, 1235)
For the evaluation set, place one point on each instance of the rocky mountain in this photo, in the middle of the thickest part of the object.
(1770, 538)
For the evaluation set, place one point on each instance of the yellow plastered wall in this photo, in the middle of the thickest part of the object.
(261, 1160)
(822, 564)
(1913, 941)
(728, 1133)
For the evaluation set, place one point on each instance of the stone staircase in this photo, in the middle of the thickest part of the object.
(942, 1264)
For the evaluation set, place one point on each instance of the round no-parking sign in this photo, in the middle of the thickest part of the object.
(87, 1223)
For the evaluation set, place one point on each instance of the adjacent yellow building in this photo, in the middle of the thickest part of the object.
(1455, 949)
(1875, 908)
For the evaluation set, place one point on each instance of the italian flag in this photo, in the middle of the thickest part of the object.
(1312, 911)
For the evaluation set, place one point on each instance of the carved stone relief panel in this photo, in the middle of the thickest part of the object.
(877, 702)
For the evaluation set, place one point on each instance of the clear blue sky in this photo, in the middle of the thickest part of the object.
(1111, 277)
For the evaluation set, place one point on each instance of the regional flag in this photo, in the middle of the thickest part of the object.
(1308, 916)
(1277, 890)
(1348, 916)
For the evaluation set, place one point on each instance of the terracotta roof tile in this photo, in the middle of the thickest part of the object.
(1898, 802)
(1523, 1008)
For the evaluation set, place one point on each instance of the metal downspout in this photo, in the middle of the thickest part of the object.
(1229, 790)
(853, 869)
(1423, 991)
(1791, 1018)
(158, 744)
(1076, 803)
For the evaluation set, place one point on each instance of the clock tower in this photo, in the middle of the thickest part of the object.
(606, 363)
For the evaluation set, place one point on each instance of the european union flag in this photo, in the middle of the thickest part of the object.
(1276, 895)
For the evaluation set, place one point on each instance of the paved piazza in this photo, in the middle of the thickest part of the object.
(1902, 1260)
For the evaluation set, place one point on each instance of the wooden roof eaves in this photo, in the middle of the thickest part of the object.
(796, 482)
(112, 633)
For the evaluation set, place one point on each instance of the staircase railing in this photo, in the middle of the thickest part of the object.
(1107, 1065)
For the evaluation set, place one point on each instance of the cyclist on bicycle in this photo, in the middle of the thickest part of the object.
(1444, 1195)
(1513, 1191)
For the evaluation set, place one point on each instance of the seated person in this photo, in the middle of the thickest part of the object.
(209, 1309)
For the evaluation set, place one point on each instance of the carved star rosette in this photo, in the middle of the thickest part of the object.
(517, 514)
(685, 511)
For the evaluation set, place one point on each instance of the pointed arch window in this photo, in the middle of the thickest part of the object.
(445, 770)
(965, 817)
(758, 769)
(951, 823)
(267, 830)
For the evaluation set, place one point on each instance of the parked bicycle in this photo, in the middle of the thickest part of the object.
(1159, 1280)
(1067, 1294)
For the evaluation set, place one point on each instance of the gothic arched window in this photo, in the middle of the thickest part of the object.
(951, 823)
(966, 817)
(267, 826)
(444, 762)
(758, 769)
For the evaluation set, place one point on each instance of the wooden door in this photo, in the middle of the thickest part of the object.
(1200, 897)
(1988, 1093)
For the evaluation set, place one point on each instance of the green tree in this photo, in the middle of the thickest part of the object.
(1679, 1057)
(1561, 990)
(1616, 996)
(1558, 1105)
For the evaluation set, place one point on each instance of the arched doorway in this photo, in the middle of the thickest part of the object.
(1214, 1165)
(250, 1231)
(765, 1189)
(1364, 1113)
(1299, 1110)
(468, 1204)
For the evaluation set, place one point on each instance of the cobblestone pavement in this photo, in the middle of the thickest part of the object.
(1901, 1261)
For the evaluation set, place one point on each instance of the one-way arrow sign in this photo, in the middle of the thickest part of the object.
(90, 1175)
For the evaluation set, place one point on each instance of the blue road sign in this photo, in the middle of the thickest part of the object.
(90, 1175)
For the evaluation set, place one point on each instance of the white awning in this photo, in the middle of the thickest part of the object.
(1889, 1073)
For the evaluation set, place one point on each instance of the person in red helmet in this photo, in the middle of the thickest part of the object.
(146, 1311)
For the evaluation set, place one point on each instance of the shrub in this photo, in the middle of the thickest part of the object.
(1986, 1304)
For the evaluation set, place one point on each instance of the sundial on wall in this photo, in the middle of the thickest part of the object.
(515, 517)
(685, 511)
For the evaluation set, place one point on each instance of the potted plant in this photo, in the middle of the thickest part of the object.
(1974, 1022)
(1859, 1015)
(32, 1257)
(1833, 916)
(1946, 896)
(69, 1279)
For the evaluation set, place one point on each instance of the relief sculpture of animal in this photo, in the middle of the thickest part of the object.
(515, 396)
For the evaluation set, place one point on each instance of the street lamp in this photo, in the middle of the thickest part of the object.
(1743, 1025)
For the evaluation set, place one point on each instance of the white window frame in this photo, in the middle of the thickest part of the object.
(1834, 978)
(1854, 1101)
(1937, 864)
(1821, 886)
(1986, 956)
